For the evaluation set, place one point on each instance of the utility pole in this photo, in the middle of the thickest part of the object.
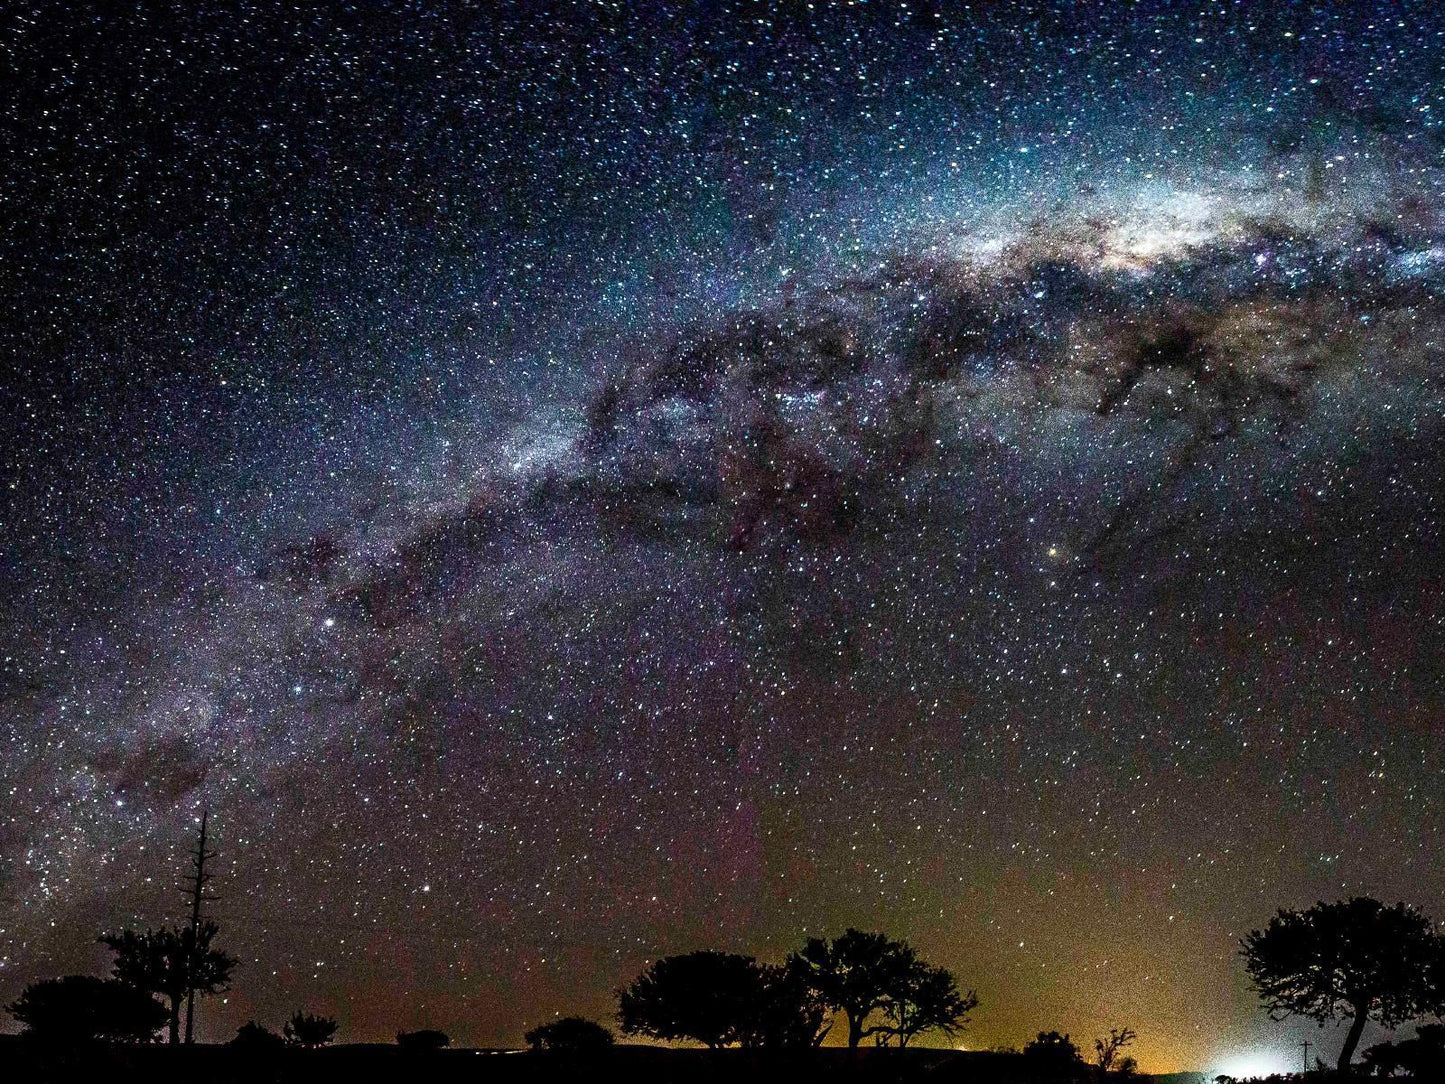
(1307, 1044)
(196, 891)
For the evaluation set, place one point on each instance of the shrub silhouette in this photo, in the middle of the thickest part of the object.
(1052, 1056)
(1421, 1058)
(1355, 959)
(83, 1008)
(309, 1031)
(251, 1036)
(418, 1042)
(570, 1035)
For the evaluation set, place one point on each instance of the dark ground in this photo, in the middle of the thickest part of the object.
(22, 1062)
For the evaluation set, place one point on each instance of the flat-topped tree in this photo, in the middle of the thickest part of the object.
(1355, 960)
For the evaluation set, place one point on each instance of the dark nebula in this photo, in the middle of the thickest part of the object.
(567, 486)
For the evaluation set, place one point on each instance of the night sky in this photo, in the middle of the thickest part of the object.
(566, 484)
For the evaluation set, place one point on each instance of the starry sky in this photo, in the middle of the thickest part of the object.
(568, 483)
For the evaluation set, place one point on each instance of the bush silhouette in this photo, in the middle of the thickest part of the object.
(309, 1031)
(82, 1008)
(570, 1035)
(251, 1036)
(1421, 1058)
(1052, 1056)
(418, 1042)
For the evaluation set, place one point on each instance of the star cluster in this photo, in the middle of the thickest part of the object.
(567, 486)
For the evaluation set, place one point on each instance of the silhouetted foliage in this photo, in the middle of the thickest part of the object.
(1108, 1052)
(419, 1042)
(1422, 1057)
(926, 998)
(853, 974)
(1054, 1057)
(788, 1014)
(860, 974)
(706, 996)
(254, 1038)
(171, 963)
(82, 1008)
(304, 1029)
(1356, 959)
(570, 1035)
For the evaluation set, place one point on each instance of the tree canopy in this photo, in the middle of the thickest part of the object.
(925, 998)
(787, 1013)
(1355, 959)
(171, 963)
(882, 988)
(854, 974)
(704, 996)
(80, 1008)
(719, 999)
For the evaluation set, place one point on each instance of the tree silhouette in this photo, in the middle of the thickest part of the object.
(309, 1031)
(174, 963)
(418, 1042)
(787, 1013)
(1107, 1052)
(854, 974)
(82, 1008)
(706, 996)
(926, 998)
(570, 1035)
(1355, 959)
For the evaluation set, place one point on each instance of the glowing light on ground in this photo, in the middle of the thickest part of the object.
(1254, 1063)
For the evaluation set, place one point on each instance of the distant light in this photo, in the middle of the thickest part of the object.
(1253, 1063)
